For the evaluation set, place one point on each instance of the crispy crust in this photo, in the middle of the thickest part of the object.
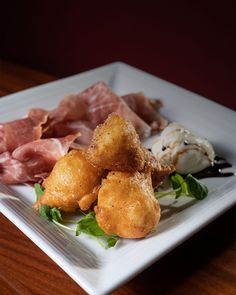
(115, 146)
(126, 205)
(71, 179)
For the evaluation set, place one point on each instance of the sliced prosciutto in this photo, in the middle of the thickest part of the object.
(70, 109)
(29, 147)
(15, 133)
(33, 161)
(12, 171)
(93, 105)
(85, 128)
(102, 101)
(147, 109)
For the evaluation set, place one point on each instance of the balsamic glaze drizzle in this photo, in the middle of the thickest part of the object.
(215, 170)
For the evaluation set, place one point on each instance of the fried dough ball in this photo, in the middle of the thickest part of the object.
(116, 146)
(72, 178)
(126, 205)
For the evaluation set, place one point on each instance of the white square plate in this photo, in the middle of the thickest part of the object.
(96, 270)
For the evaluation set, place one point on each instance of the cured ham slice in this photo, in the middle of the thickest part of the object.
(85, 128)
(93, 105)
(70, 109)
(147, 109)
(12, 171)
(34, 160)
(101, 102)
(15, 133)
(29, 147)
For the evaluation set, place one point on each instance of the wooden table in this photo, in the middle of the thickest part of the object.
(205, 264)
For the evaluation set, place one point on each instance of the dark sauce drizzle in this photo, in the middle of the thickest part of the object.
(215, 170)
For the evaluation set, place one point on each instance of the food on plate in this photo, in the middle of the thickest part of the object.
(33, 161)
(85, 129)
(158, 171)
(94, 104)
(115, 169)
(18, 132)
(180, 147)
(71, 181)
(102, 170)
(76, 113)
(70, 109)
(88, 200)
(126, 205)
(101, 101)
(116, 146)
(187, 186)
(147, 109)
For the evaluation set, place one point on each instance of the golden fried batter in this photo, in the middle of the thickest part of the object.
(116, 146)
(158, 171)
(88, 199)
(71, 178)
(126, 205)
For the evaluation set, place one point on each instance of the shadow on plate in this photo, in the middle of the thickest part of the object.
(171, 210)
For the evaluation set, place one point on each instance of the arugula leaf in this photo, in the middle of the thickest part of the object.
(38, 191)
(195, 188)
(44, 212)
(176, 182)
(88, 225)
(184, 188)
(50, 213)
(111, 241)
(189, 187)
(56, 214)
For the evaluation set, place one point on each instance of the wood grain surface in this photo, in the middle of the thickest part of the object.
(205, 264)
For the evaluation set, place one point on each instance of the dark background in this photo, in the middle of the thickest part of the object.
(189, 43)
